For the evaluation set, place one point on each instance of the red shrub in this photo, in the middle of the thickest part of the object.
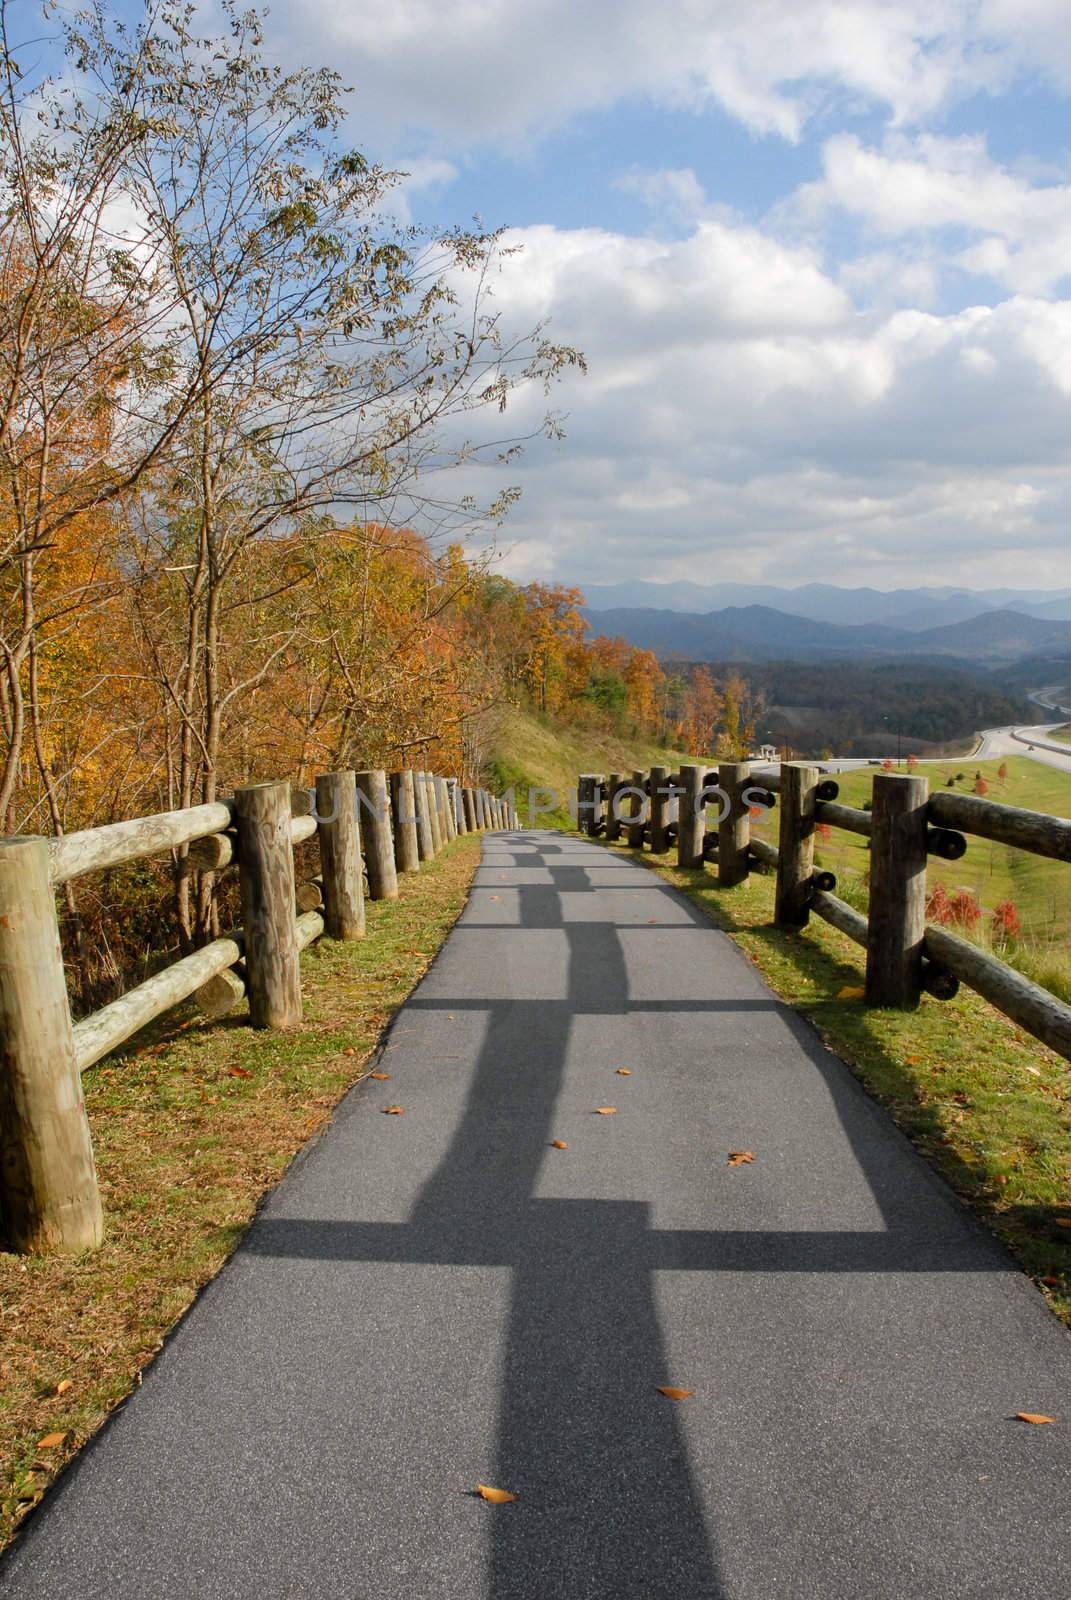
(1005, 921)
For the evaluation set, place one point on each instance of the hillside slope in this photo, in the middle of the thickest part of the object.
(532, 751)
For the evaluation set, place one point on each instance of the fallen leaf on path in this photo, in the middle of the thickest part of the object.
(912, 1060)
(605, 1111)
(496, 897)
(63, 1385)
(737, 1158)
(652, 919)
(349, 1050)
(558, 1144)
(1050, 1282)
(239, 1072)
(394, 1111)
(851, 992)
(674, 1394)
(1032, 1416)
(624, 1072)
(380, 1077)
(497, 1497)
(51, 1441)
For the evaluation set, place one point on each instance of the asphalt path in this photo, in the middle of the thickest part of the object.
(441, 1298)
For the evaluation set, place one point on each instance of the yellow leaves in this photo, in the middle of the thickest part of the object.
(623, 1072)
(851, 992)
(380, 1077)
(349, 1050)
(497, 1497)
(63, 1385)
(558, 1144)
(1033, 1416)
(51, 1441)
(394, 1111)
(739, 1158)
(605, 1111)
(674, 1394)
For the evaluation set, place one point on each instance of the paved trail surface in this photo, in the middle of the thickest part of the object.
(440, 1298)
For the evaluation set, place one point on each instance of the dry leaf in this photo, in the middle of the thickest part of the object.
(851, 992)
(1062, 1222)
(605, 1111)
(558, 1144)
(652, 919)
(497, 1497)
(674, 1394)
(1032, 1416)
(394, 1111)
(349, 1050)
(912, 1060)
(380, 1077)
(63, 1385)
(239, 1072)
(624, 1072)
(51, 1441)
(737, 1158)
(495, 897)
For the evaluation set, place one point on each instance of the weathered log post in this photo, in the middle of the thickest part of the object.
(469, 800)
(485, 809)
(441, 807)
(637, 826)
(425, 844)
(896, 924)
(404, 818)
(340, 856)
(587, 797)
(659, 810)
(375, 834)
(456, 808)
(266, 882)
(795, 860)
(734, 828)
(48, 1182)
(433, 812)
(691, 822)
(613, 821)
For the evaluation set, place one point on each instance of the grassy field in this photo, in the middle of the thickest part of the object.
(192, 1124)
(530, 751)
(988, 1105)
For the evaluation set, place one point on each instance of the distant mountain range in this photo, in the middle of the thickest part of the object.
(908, 610)
(764, 632)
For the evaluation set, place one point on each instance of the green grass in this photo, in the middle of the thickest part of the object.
(988, 1105)
(192, 1122)
(1063, 734)
(532, 751)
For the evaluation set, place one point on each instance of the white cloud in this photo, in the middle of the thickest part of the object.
(744, 417)
(477, 70)
(1020, 232)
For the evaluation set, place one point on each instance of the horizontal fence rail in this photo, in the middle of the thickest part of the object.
(370, 827)
(905, 824)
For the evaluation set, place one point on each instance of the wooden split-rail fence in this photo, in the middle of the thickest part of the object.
(906, 956)
(370, 826)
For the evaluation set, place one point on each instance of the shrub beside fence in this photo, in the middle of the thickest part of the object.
(49, 1198)
(906, 956)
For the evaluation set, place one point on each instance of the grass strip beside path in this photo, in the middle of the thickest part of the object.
(986, 1103)
(192, 1123)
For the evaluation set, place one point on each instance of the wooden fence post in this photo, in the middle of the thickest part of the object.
(443, 810)
(425, 843)
(734, 831)
(433, 812)
(640, 810)
(340, 855)
(659, 810)
(613, 821)
(456, 809)
(691, 818)
(469, 800)
(48, 1182)
(266, 881)
(583, 789)
(404, 816)
(896, 924)
(374, 813)
(795, 861)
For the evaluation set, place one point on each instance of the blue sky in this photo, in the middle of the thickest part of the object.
(817, 256)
